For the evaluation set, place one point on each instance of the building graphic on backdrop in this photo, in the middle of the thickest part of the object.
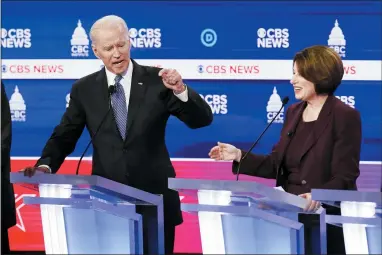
(273, 106)
(79, 42)
(17, 106)
(337, 40)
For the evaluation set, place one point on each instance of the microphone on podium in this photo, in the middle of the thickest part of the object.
(111, 91)
(284, 102)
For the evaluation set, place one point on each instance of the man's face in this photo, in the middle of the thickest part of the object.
(112, 46)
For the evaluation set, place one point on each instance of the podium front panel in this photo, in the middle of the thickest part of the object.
(247, 217)
(93, 215)
(245, 230)
(101, 232)
(361, 218)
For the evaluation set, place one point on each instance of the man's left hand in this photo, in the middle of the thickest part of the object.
(172, 80)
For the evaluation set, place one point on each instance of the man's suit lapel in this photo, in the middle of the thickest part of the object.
(103, 89)
(319, 127)
(137, 93)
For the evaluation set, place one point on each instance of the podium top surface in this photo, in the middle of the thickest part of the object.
(330, 196)
(81, 186)
(221, 192)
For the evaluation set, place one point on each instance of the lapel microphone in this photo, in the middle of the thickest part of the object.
(111, 91)
(284, 102)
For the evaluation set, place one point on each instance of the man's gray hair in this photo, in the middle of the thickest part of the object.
(110, 21)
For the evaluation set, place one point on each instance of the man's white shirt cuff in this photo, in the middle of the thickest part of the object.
(183, 96)
(46, 166)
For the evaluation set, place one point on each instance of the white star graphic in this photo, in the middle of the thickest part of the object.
(20, 204)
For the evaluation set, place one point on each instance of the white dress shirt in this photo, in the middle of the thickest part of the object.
(125, 81)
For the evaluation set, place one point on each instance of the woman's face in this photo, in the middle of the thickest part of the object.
(303, 89)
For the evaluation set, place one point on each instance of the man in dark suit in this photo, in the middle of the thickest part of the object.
(8, 213)
(130, 146)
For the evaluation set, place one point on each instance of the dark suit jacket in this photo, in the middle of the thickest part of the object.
(142, 160)
(8, 215)
(331, 154)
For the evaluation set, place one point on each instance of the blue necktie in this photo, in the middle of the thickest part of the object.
(118, 100)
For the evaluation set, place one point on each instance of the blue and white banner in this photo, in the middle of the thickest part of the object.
(193, 69)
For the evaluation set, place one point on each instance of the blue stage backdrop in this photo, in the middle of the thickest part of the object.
(237, 55)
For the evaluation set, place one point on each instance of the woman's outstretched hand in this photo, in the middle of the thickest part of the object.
(225, 152)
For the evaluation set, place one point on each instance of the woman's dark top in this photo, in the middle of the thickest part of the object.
(292, 156)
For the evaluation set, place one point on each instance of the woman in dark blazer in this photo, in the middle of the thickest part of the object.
(320, 142)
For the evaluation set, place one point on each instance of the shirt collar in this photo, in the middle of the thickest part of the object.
(111, 76)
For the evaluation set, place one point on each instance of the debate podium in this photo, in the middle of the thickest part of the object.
(94, 215)
(360, 219)
(251, 218)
